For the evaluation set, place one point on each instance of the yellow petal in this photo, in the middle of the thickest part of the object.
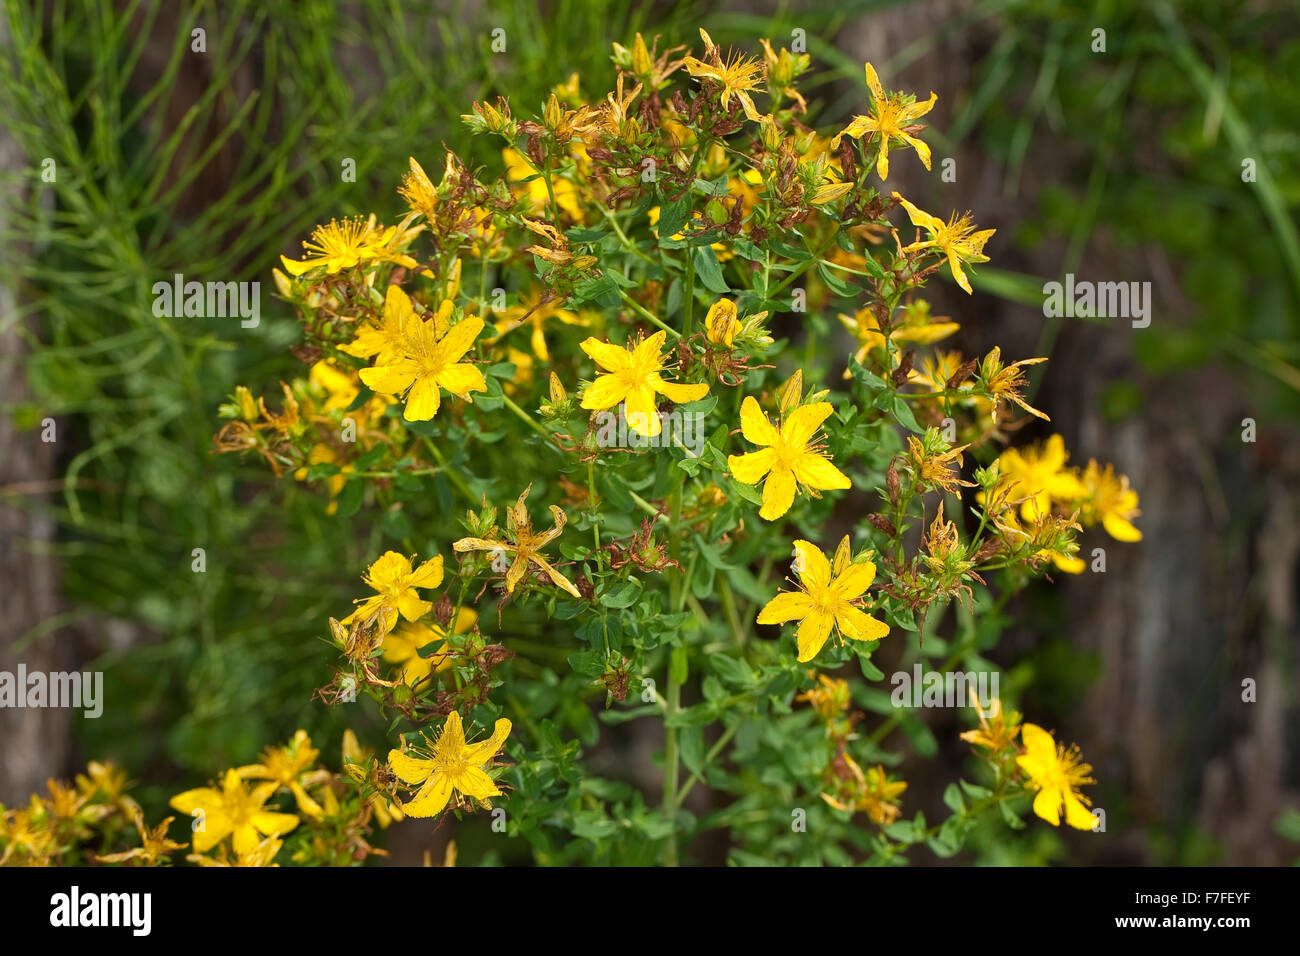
(804, 421)
(410, 605)
(818, 472)
(856, 625)
(786, 606)
(431, 799)
(605, 392)
(749, 469)
(607, 356)
(854, 580)
(480, 753)
(1076, 814)
(642, 416)
(461, 379)
(1048, 806)
(754, 425)
(475, 783)
(273, 824)
(428, 574)
(778, 492)
(409, 769)
(390, 379)
(1121, 529)
(873, 83)
(677, 392)
(812, 634)
(815, 573)
(458, 341)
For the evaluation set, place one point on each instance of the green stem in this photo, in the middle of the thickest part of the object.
(591, 500)
(450, 472)
(641, 310)
(672, 759)
(525, 417)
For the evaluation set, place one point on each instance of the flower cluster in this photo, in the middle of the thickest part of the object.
(663, 252)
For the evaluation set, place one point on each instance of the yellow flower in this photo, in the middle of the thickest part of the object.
(1111, 501)
(737, 76)
(634, 377)
(526, 546)
(233, 811)
(829, 699)
(994, 735)
(262, 854)
(1005, 382)
(452, 765)
(352, 242)
(338, 384)
(721, 324)
(110, 782)
(388, 338)
(1056, 773)
(403, 645)
(1042, 476)
(394, 583)
(826, 600)
(891, 120)
(957, 239)
(916, 327)
(535, 311)
(286, 766)
(154, 845)
(356, 764)
(872, 792)
(790, 457)
(429, 361)
(418, 190)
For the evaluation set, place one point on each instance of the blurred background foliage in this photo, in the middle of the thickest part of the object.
(212, 164)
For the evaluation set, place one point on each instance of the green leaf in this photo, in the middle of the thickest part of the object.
(709, 271)
(732, 670)
(904, 415)
(679, 666)
(622, 595)
(845, 290)
(952, 798)
(588, 663)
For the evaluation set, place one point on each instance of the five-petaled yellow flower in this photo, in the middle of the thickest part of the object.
(957, 239)
(634, 377)
(388, 337)
(827, 599)
(790, 457)
(233, 811)
(1110, 501)
(290, 767)
(452, 764)
(738, 76)
(352, 242)
(394, 582)
(526, 546)
(430, 358)
(1057, 773)
(891, 120)
(1041, 476)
